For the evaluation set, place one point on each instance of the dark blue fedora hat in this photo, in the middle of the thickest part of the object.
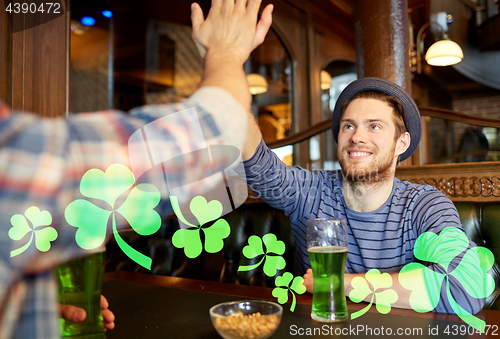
(385, 86)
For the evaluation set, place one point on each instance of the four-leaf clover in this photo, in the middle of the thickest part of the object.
(471, 271)
(383, 296)
(137, 209)
(283, 286)
(273, 246)
(190, 238)
(43, 235)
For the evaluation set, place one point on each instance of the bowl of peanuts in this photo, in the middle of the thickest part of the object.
(248, 319)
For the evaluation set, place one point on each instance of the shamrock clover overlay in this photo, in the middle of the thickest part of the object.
(43, 235)
(471, 272)
(283, 286)
(190, 238)
(137, 209)
(383, 296)
(273, 262)
(273, 246)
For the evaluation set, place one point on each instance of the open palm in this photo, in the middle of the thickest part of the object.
(239, 31)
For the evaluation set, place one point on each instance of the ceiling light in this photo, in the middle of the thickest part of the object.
(444, 53)
(77, 27)
(326, 80)
(88, 21)
(257, 83)
(107, 14)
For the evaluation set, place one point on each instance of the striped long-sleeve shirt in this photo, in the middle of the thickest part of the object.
(42, 162)
(383, 239)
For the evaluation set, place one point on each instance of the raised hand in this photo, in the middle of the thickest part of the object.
(230, 28)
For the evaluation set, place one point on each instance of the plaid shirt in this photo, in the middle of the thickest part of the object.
(42, 162)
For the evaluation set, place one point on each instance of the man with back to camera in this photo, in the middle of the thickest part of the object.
(43, 160)
(376, 124)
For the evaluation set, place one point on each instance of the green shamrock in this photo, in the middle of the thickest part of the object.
(281, 291)
(273, 246)
(383, 298)
(43, 235)
(471, 272)
(137, 209)
(190, 238)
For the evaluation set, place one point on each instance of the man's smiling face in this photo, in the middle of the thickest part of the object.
(367, 145)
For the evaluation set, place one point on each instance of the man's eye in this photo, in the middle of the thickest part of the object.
(348, 127)
(375, 127)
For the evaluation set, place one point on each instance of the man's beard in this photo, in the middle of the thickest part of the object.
(376, 171)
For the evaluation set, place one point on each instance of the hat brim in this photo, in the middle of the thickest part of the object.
(413, 119)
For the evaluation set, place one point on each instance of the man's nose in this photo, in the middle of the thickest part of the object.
(358, 136)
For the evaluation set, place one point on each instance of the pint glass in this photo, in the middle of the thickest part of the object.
(79, 284)
(327, 249)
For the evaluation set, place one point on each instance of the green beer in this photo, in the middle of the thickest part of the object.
(327, 263)
(79, 283)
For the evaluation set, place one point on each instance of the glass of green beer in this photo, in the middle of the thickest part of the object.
(327, 249)
(79, 284)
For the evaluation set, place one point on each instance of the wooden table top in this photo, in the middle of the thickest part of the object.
(491, 317)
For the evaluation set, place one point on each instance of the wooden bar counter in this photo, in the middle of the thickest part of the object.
(152, 306)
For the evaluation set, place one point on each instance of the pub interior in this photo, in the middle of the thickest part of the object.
(141, 53)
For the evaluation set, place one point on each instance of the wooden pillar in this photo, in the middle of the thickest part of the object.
(382, 40)
(382, 48)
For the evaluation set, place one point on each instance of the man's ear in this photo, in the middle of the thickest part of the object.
(403, 143)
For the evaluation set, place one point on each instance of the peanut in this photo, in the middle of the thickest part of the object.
(248, 326)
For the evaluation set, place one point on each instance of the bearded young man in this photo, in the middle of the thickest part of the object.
(376, 124)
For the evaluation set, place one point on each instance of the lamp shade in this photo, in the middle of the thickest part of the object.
(444, 53)
(257, 83)
(326, 80)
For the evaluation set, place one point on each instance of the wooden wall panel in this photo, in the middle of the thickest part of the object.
(5, 56)
(40, 67)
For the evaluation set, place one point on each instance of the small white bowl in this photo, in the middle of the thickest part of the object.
(248, 319)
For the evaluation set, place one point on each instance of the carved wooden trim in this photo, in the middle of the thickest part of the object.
(478, 181)
(456, 188)
(464, 186)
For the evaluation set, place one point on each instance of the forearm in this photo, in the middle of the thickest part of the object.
(377, 283)
(225, 72)
(403, 300)
(253, 138)
(392, 280)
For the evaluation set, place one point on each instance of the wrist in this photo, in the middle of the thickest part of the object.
(347, 283)
(221, 56)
